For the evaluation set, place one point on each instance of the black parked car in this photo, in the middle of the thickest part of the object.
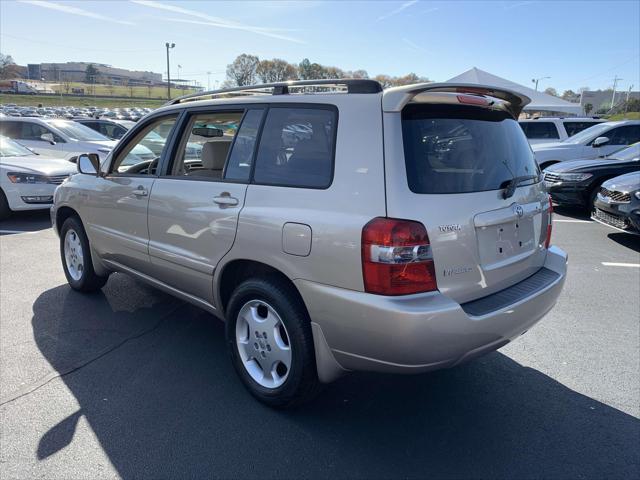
(618, 202)
(577, 182)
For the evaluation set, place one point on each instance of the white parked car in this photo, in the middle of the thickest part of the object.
(555, 129)
(597, 141)
(28, 180)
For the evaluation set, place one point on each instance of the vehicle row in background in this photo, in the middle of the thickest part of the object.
(125, 113)
(577, 182)
(555, 129)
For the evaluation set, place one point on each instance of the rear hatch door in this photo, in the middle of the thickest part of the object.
(449, 170)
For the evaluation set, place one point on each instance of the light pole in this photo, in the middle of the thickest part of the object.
(179, 77)
(536, 80)
(208, 80)
(169, 45)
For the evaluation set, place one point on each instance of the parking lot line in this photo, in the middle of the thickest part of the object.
(12, 232)
(571, 221)
(615, 264)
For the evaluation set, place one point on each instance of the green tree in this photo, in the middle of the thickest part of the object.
(91, 73)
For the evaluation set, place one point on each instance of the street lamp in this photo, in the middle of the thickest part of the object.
(536, 80)
(169, 45)
(179, 77)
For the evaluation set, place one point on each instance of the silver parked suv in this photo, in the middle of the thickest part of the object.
(333, 226)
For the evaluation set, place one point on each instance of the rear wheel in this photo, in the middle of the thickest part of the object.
(270, 342)
(5, 211)
(76, 257)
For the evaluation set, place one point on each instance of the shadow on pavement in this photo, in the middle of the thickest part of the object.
(20, 222)
(164, 402)
(572, 212)
(629, 240)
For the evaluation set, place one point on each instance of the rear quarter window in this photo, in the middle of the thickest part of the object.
(461, 149)
(297, 147)
(540, 130)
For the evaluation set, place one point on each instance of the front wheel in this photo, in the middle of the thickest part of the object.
(76, 257)
(270, 342)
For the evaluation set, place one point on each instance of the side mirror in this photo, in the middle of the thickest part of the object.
(89, 164)
(600, 142)
(48, 137)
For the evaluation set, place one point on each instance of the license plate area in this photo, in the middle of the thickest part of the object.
(507, 242)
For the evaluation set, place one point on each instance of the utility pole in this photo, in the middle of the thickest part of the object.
(615, 84)
(169, 45)
(179, 77)
(536, 80)
(208, 80)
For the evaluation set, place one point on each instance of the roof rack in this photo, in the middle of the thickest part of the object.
(352, 85)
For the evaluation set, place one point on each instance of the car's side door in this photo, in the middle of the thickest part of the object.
(117, 204)
(619, 137)
(195, 203)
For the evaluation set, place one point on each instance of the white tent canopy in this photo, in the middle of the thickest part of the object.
(540, 101)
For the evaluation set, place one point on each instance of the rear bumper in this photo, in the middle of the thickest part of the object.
(417, 333)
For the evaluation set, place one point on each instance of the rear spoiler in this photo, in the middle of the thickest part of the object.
(395, 99)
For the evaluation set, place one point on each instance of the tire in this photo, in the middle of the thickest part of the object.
(76, 258)
(253, 343)
(5, 211)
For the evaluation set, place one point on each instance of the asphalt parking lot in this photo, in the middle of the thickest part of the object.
(133, 383)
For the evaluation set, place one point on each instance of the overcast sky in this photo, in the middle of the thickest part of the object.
(575, 43)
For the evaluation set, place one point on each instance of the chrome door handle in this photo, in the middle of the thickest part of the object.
(140, 192)
(225, 200)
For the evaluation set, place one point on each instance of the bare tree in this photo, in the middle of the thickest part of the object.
(243, 70)
(551, 91)
(66, 83)
(275, 70)
(8, 68)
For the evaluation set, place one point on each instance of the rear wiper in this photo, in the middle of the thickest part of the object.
(510, 185)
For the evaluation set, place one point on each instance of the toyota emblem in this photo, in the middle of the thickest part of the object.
(519, 210)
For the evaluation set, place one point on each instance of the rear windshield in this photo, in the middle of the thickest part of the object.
(461, 149)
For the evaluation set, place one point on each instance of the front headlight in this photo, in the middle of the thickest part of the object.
(637, 194)
(16, 177)
(574, 177)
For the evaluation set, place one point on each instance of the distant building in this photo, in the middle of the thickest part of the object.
(600, 100)
(76, 72)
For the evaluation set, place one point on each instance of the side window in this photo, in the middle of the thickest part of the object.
(32, 131)
(205, 145)
(576, 127)
(624, 135)
(239, 165)
(11, 129)
(142, 154)
(537, 130)
(296, 147)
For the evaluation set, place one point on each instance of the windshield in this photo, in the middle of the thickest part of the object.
(589, 134)
(460, 149)
(627, 153)
(9, 148)
(78, 132)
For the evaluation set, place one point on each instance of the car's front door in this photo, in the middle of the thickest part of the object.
(117, 206)
(195, 203)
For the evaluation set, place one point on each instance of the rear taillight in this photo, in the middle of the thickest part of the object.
(547, 242)
(396, 258)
